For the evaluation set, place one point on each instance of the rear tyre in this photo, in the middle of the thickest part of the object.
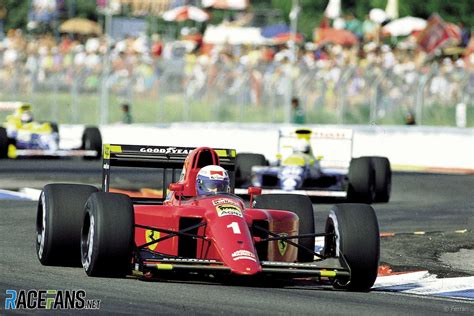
(383, 179)
(4, 141)
(59, 222)
(302, 206)
(107, 236)
(356, 238)
(54, 127)
(92, 140)
(243, 167)
(361, 186)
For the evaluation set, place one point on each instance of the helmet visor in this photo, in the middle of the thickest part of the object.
(214, 186)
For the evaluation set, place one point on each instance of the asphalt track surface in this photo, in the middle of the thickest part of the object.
(436, 204)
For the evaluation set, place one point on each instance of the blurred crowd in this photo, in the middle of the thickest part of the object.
(144, 64)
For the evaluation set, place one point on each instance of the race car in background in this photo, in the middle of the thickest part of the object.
(298, 170)
(21, 136)
(193, 233)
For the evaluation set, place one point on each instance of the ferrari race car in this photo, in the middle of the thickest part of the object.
(189, 234)
(20, 136)
(298, 170)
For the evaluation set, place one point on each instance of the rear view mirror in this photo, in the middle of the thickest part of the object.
(176, 187)
(254, 191)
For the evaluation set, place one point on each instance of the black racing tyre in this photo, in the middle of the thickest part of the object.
(59, 221)
(383, 179)
(55, 129)
(302, 206)
(243, 167)
(107, 236)
(361, 186)
(92, 140)
(357, 238)
(54, 126)
(4, 142)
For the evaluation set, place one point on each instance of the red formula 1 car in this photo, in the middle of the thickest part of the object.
(186, 234)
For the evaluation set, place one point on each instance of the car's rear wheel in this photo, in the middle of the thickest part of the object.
(383, 179)
(243, 167)
(92, 140)
(302, 206)
(59, 222)
(355, 236)
(4, 142)
(361, 185)
(107, 235)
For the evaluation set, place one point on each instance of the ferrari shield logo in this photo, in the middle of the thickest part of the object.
(151, 235)
(282, 245)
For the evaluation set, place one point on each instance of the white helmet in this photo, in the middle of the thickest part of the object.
(302, 146)
(212, 180)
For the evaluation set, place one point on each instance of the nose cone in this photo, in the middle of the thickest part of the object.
(244, 262)
(232, 238)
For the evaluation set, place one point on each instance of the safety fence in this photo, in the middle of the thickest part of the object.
(215, 90)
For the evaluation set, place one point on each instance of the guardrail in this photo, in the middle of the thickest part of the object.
(412, 147)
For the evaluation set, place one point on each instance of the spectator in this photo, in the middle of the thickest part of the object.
(298, 116)
(410, 118)
(127, 116)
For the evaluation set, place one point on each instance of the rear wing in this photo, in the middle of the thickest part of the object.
(334, 145)
(10, 105)
(170, 159)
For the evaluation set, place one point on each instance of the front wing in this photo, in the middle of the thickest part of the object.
(329, 268)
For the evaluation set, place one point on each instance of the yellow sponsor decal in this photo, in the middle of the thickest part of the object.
(111, 149)
(152, 235)
(228, 209)
(164, 266)
(282, 245)
(11, 151)
(325, 273)
(223, 153)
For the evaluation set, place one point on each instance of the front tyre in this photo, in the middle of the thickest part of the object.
(302, 206)
(361, 185)
(243, 167)
(59, 222)
(383, 179)
(4, 142)
(92, 140)
(354, 235)
(107, 236)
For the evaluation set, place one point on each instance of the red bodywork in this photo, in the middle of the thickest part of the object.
(228, 236)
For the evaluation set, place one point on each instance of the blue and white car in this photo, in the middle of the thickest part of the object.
(298, 170)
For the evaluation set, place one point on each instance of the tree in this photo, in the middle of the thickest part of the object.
(16, 13)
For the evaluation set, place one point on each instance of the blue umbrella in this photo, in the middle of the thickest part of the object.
(275, 30)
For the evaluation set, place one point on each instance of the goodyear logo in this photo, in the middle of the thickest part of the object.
(228, 209)
(165, 150)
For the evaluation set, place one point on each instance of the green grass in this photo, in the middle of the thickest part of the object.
(85, 109)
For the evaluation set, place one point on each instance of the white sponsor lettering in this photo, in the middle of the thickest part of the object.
(162, 150)
(243, 255)
(224, 201)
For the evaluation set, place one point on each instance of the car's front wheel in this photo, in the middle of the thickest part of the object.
(353, 234)
(107, 235)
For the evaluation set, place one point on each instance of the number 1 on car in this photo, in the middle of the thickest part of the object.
(235, 227)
